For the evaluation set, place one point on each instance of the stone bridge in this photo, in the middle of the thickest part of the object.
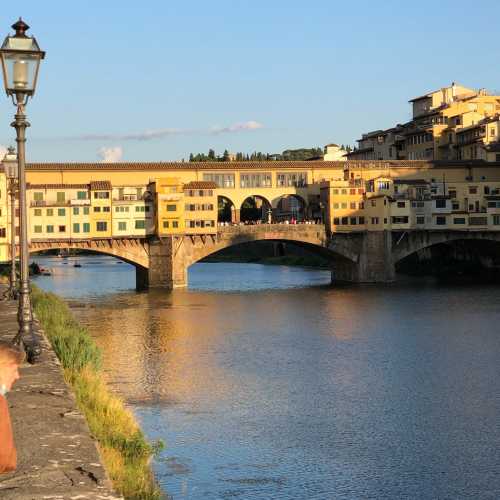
(364, 257)
(183, 251)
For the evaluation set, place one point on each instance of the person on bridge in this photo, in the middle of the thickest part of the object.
(10, 359)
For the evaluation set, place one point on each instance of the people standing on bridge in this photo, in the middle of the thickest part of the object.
(10, 359)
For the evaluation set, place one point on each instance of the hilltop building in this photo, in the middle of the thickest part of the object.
(333, 152)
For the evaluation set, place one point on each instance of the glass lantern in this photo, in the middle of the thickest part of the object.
(10, 164)
(20, 56)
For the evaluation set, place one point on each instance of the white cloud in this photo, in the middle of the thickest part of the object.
(3, 151)
(148, 135)
(239, 127)
(110, 155)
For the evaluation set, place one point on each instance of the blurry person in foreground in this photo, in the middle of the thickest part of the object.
(10, 359)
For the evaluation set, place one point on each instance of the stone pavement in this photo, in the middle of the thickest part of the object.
(57, 457)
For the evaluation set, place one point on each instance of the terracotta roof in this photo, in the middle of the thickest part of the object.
(57, 186)
(100, 185)
(421, 97)
(201, 185)
(253, 165)
(172, 166)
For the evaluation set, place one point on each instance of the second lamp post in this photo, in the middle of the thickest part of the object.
(10, 168)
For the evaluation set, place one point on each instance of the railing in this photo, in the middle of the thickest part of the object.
(170, 197)
(47, 203)
(55, 203)
(127, 197)
(80, 202)
(285, 226)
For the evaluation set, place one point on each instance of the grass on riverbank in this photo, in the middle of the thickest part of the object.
(125, 451)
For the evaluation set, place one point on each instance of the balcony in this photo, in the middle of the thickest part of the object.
(170, 197)
(49, 203)
(79, 203)
(127, 197)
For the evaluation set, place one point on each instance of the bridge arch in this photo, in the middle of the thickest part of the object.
(132, 251)
(310, 237)
(416, 241)
(226, 209)
(255, 208)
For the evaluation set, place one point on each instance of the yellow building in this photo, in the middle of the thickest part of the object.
(100, 209)
(344, 201)
(132, 211)
(444, 197)
(50, 211)
(200, 207)
(169, 203)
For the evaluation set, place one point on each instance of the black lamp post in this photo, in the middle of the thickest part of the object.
(21, 56)
(10, 168)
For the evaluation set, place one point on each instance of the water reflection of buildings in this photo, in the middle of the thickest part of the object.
(157, 346)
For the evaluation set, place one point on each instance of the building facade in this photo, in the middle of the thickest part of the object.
(452, 123)
(71, 202)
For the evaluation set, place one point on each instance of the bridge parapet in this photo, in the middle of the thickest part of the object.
(313, 233)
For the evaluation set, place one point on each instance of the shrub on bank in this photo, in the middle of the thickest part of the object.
(125, 451)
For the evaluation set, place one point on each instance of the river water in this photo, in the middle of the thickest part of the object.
(267, 383)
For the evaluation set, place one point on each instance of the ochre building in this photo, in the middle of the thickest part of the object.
(451, 123)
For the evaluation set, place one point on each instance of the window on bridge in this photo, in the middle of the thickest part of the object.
(291, 179)
(257, 180)
(221, 179)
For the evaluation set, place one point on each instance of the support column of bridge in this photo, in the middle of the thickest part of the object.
(167, 267)
(375, 262)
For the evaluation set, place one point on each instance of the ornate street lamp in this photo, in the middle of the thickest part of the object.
(10, 168)
(20, 56)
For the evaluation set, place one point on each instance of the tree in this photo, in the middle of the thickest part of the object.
(191, 157)
(211, 155)
(225, 156)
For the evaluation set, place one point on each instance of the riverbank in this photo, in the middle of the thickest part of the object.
(126, 453)
(57, 456)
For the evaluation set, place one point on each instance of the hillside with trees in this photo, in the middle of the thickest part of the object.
(301, 154)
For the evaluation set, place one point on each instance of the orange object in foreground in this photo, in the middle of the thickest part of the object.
(8, 454)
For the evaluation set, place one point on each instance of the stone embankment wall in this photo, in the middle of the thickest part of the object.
(57, 456)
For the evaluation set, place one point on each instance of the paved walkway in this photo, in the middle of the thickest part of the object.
(57, 457)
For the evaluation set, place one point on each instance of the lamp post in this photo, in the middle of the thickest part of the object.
(10, 167)
(21, 56)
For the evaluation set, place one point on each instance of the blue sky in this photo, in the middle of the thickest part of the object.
(156, 80)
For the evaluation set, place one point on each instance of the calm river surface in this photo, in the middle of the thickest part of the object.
(266, 383)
